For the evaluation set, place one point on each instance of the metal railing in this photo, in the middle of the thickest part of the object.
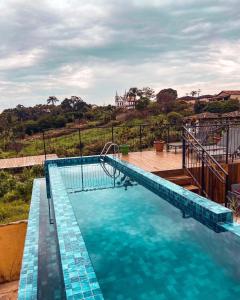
(66, 142)
(206, 172)
(222, 141)
(75, 142)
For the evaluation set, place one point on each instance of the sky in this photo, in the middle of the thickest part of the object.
(93, 48)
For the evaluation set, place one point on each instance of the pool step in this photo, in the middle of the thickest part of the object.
(183, 180)
(192, 188)
(180, 180)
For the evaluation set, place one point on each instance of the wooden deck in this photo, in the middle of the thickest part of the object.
(21, 162)
(155, 162)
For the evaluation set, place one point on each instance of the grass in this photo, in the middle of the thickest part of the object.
(15, 193)
(14, 211)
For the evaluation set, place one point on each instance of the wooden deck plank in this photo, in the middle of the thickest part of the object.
(153, 162)
(21, 162)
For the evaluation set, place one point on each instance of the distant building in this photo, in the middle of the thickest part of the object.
(127, 101)
(228, 95)
(205, 98)
(192, 100)
(188, 99)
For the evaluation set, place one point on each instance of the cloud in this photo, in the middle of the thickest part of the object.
(21, 60)
(92, 48)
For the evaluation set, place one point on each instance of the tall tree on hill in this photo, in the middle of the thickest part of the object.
(166, 99)
(145, 92)
(52, 100)
(193, 93)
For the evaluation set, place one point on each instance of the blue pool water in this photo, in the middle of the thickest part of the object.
(142, 247)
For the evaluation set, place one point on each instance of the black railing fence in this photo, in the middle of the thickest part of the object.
(221, 141)
(207, 173)
(76, 141)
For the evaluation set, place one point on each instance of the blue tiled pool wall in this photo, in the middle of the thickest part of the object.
(206, 211)
(50, 277)
(79, 277)
(29, 271)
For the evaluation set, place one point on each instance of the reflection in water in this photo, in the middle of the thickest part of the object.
(94, 177)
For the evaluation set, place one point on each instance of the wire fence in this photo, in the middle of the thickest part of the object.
(68, 142)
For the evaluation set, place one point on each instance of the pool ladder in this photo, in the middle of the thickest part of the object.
(107, 147)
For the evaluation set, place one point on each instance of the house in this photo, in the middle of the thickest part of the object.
(127, 101)
(205, 98)
(192, 100)
(188, 99)
(228, 95)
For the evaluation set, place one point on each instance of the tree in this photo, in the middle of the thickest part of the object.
(199, 106)
(52, 100)
(145, 92)
(193, 93)
(166, 99)
(21, 112)
(222, 106)
(142, 103)
(174, 118)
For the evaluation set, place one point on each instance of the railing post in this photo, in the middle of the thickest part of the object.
(168, 137)
(80, 141)
(227, 144)
(140, 137)
(226, 190)
(44, 145)
(203, 175)
(184, 150)
(112, 134)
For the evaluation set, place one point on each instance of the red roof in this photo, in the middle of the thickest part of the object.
(205, 97)
(187, 98)
(236, 92)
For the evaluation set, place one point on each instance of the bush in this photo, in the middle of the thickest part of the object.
(174, 118)
(222, 106)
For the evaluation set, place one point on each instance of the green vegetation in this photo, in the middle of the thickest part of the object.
(216, 106)
(15, 193)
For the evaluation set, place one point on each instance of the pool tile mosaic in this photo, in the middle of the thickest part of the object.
(79, 277)
(29, 271)
(209, 212)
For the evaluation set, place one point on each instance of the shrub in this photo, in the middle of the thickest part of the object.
(174, 118)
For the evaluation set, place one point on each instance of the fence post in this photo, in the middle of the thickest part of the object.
(168, 133)
(44, 145)
(140, 136)
(112, 134)
(226, 190)
(80, 141)
(227, 144)
(184, 150)
(203, 175)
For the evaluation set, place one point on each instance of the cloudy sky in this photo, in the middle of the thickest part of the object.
(93, 48)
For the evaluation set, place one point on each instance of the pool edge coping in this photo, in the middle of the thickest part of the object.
(75, 265)
(29, 270)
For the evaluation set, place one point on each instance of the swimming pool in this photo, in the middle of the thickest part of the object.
(126, 234)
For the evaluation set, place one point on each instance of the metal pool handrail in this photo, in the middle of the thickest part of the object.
(107, 147)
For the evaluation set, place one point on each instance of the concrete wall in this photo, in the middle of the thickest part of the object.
(12, 237)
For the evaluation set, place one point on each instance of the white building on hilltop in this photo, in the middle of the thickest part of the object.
(127, 101)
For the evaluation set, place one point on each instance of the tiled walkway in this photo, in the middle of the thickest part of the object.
(21, 162)
(153, 162)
